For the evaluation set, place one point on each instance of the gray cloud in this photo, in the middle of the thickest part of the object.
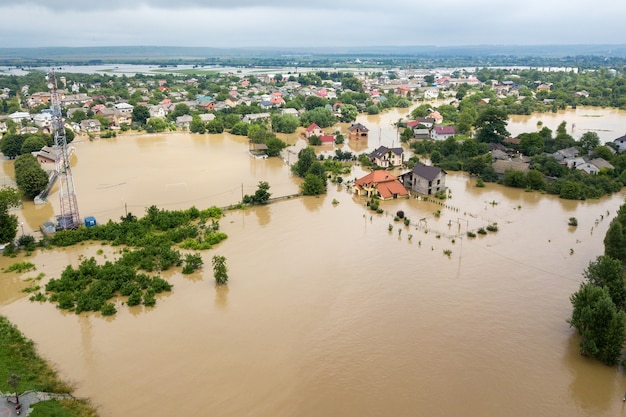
(286, 23)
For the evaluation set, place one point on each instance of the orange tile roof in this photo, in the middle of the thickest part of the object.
(388, 189)
(387, 184)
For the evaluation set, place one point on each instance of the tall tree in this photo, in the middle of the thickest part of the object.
(615, 241)
(589, 141)
(491, 125)
(220, 271)
(600, 324)
(608, 272)
(306, 157)
(349, 113)
(31, 179)
(141, 114)
(9, 198)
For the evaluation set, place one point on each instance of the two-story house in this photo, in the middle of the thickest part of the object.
(387, 157)
(424, 179)
(358, 132)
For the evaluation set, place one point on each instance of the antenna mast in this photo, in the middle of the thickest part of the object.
(69, 218)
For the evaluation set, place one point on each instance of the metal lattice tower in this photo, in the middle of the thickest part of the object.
(69, 218)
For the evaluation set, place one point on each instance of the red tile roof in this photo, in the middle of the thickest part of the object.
(327, 138)
(312, 127)
(385, 183)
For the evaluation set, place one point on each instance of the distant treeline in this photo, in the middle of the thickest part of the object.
(581, 56)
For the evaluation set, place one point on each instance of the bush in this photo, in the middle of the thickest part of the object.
(108, 309)
(492, 227)
(482, 231)
(27, 242)
(573, 221)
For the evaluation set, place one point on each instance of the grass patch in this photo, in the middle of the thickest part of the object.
(63, 408)
(21, 267)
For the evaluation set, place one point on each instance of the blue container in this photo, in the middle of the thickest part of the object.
(90, 221)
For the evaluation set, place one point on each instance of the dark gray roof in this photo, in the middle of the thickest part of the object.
(382, 151)
(426, 171)
(358, 126)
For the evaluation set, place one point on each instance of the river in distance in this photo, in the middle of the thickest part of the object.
(327, 311)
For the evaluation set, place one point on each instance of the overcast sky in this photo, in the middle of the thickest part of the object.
(250, 23)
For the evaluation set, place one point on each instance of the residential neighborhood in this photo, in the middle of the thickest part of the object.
(104, 106)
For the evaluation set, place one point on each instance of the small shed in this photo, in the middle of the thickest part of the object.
(90, 221)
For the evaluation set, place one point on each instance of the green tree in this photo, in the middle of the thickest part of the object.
(421, 111)
(615, 241)
(531, 143)
(220, 271)
(608, 272)
(261, 196)
(9, 198)
(155, 125)
(78, 116)
(321, 116)
(306, 157)
(141, 114)
(240, 129)
(287, 123)
(372, 109)
(215, 126)
(180, 109)
(600, 324)
(69, 135)
(313, 185)
(352, 83)
(535, 180)
(11, 145)
(314, 102)
(349, 113)
(491, 125)
(513, 178)
(33, 143)
(197, 125)
(571, 190)
(589, 141)
(274, 146)
(603, 152)
(31, 179)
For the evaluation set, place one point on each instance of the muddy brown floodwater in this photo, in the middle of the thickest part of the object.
(327, 312)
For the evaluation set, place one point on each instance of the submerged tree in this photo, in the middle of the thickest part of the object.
(220, 271)
(600, 324)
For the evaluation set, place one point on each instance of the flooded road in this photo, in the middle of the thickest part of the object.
(327, 312)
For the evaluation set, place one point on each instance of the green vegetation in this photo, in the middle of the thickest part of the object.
(30, 177)
(599, 305)
(21, 267)
(312, 170)
(9, 198)
(220, 270)
(492, 227)
(261, 196)
(573, 221)
(18, 356)
(148, 247)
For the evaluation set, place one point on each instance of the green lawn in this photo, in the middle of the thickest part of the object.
(18, 355)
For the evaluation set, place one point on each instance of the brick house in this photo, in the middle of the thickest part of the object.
(358, 131)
